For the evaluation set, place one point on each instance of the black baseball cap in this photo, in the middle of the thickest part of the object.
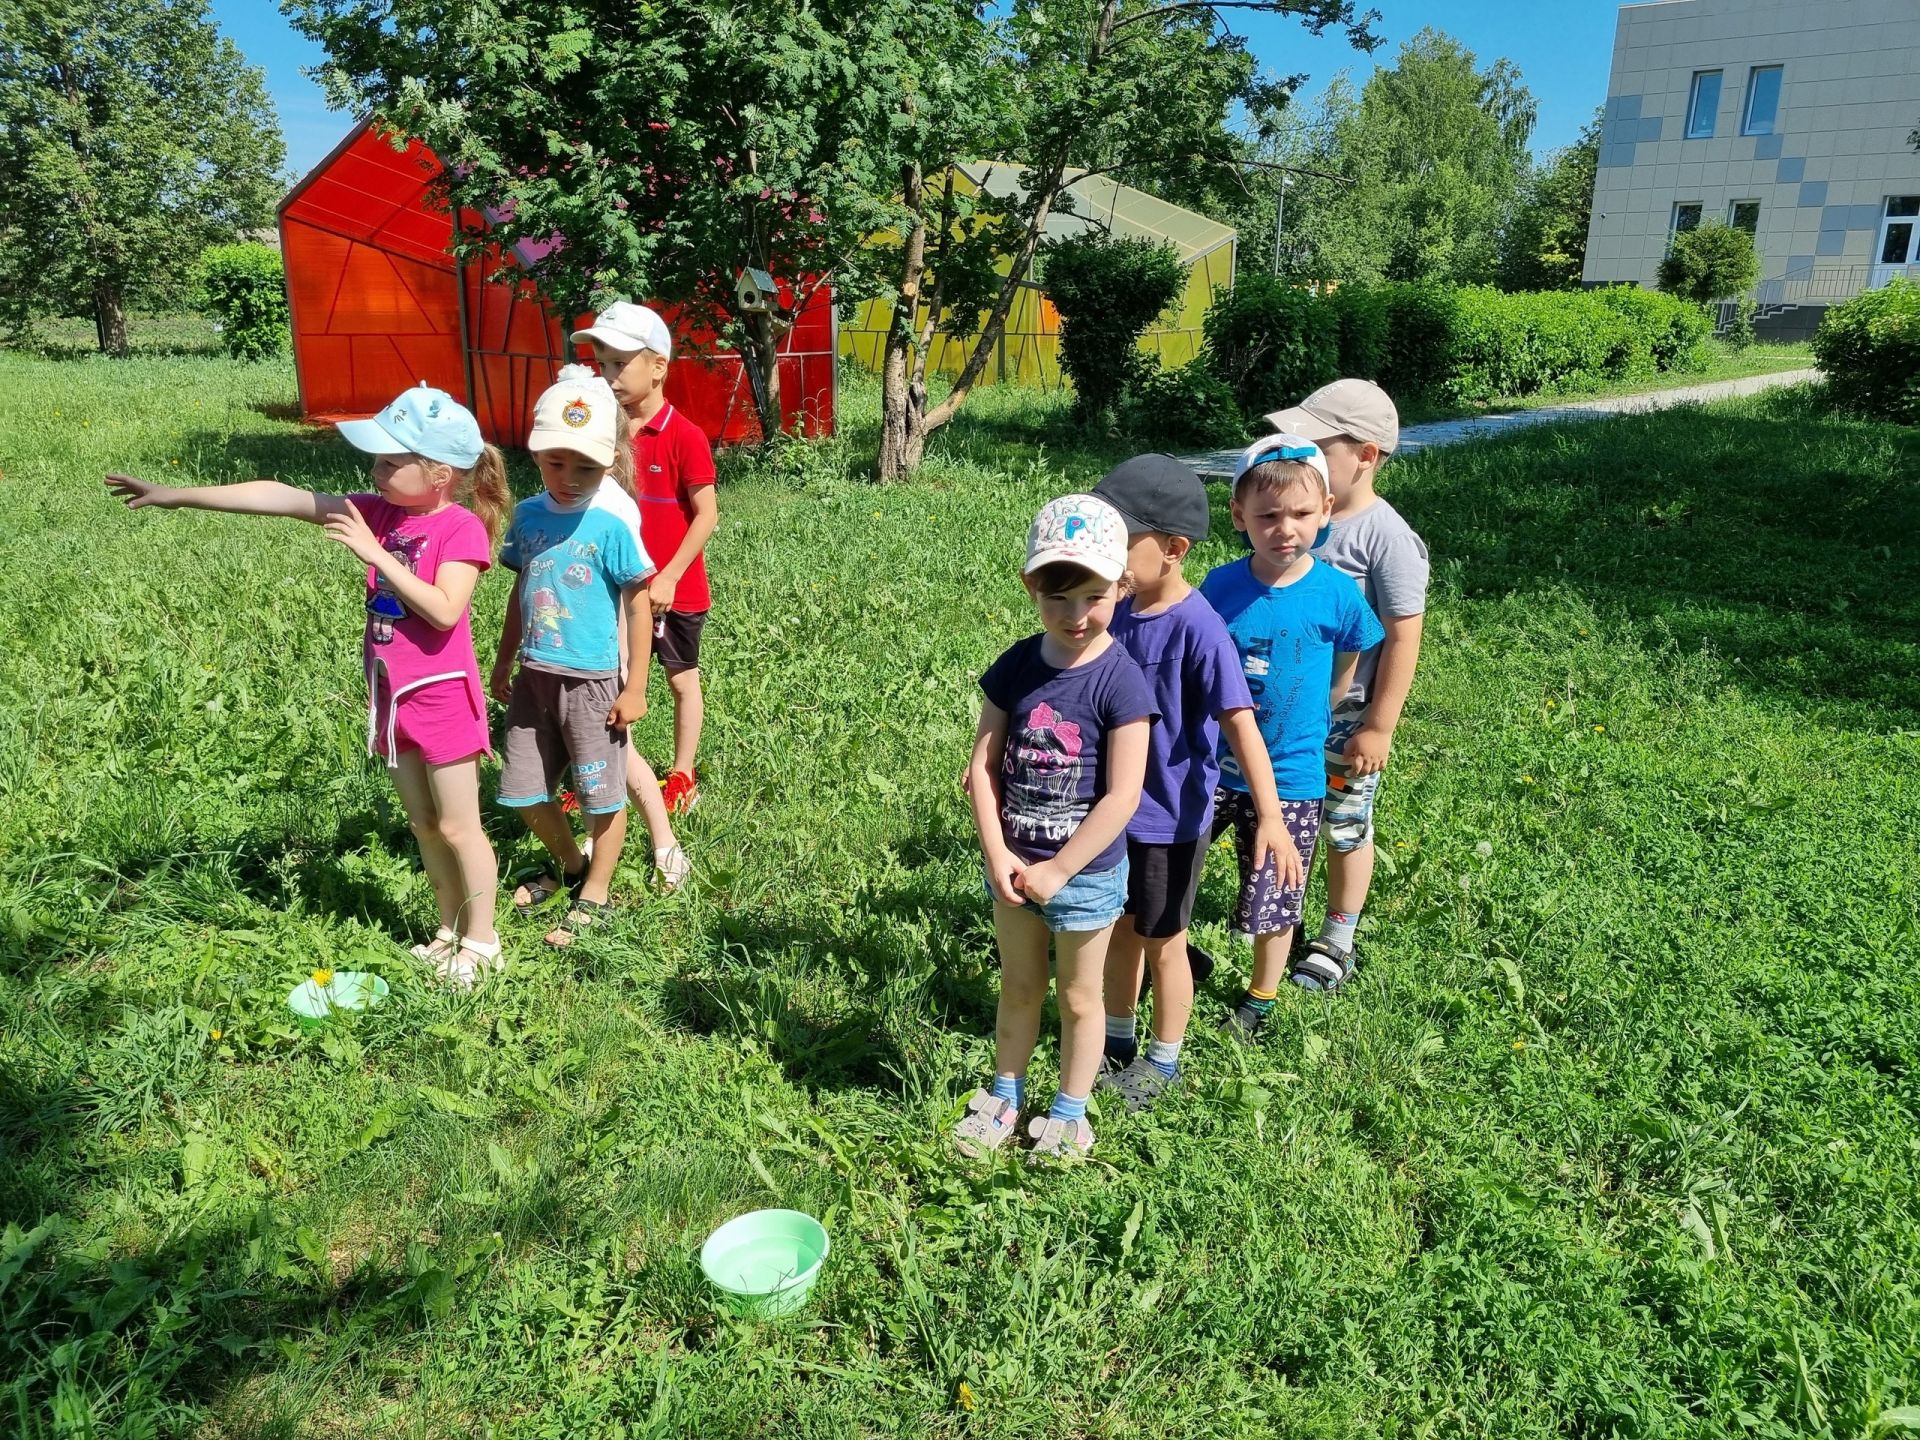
(1158, 493)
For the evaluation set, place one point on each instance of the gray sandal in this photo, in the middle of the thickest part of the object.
(1321, 965)
(1058, 1139)
(1140, 1084)
(988, 1124)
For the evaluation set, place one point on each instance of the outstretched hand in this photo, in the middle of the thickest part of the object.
(139, 493)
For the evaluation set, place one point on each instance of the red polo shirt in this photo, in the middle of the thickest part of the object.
(671, 456)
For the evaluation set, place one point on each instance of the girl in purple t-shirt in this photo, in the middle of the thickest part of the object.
(1057, 767)
(426, 712)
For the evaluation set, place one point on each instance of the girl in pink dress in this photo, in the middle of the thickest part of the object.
(426, 712)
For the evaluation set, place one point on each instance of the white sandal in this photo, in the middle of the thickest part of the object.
(673, 867)
(462, 968)
(445, 941)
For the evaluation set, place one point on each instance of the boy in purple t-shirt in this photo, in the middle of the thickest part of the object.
(1055, 776)
(1198, 686)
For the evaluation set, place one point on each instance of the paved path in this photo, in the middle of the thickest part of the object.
(1448, 432)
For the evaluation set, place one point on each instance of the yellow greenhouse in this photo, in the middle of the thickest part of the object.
(1030, 349)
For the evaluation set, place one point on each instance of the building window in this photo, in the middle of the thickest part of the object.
(1686, 216)
(1763, 100)
(1744, 215)
(1704, 106)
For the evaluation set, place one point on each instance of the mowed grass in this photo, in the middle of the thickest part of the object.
(1616, 1134)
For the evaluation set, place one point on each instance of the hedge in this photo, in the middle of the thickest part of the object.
(1271, 342)
(244, 286)
(1869, 349)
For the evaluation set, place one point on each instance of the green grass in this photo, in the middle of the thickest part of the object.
(1723, 363)
(169, 333)
(1615, 1136)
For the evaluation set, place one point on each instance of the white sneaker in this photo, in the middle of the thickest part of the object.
(671, 865)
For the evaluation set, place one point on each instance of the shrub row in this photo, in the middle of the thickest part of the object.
(1869, 349)
(1270, 342)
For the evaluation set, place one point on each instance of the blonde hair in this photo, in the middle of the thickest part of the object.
(482, 488)
(622, 468)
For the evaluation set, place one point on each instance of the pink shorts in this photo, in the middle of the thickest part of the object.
(441, 718)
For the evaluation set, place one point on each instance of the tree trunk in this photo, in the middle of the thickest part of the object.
(761, 356)
(903, 390)
(109, 317)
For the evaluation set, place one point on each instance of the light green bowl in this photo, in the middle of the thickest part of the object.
(764, 1263)
(348, 990)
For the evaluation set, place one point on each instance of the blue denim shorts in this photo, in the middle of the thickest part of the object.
(1091, 900)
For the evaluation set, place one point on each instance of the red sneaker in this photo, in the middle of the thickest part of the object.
(680, 791)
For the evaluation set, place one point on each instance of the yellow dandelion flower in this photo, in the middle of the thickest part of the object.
(964, 1396)
(323, 977)
(1527, 779)
(1599, 729)
(1519, 1045)
(216, 1032)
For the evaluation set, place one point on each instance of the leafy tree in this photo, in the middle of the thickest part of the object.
(1545, 244)
(1434, 153)
(1107, 292)
(665, 147)
(132, 136)
(1137, 89)
(1709, 263)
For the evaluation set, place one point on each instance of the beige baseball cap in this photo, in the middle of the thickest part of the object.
(577, 413)
(1358, 409)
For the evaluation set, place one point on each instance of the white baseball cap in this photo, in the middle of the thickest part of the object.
(1081, 530)
(422, 421)
(1284, 447)
(627, 327)
(578, 412)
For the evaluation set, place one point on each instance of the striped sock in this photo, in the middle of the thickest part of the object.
(1009, 1087)
(1258, 1001)
(1123, 1038)
(1067, 1107)
(1164, 1056)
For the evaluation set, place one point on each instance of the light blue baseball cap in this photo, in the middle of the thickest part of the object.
(424, 421)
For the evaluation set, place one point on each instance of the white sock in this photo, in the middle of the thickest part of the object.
(1165, 1054)
(1123, 1027)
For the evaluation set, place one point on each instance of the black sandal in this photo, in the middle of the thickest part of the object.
(542, 887)
(1321, 965)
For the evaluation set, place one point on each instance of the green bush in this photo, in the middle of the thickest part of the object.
(1187, 406)
(244, 287)
(1421, 316)
(1674, 331)
(1107, 292)
(1716, 261)
(1365, 329)
(1869, 349)
(1521, 344)
(1270, 342)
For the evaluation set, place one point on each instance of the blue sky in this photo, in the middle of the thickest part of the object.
(1561, 46)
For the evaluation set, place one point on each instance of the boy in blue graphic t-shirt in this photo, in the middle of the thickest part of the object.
(1299, 627)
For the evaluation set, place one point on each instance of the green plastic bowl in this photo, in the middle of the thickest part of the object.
(764, 1263)
(348, 990)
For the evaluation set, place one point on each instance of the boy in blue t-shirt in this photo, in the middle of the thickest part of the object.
(1299, 627)
(1201, 692)
(577, 565)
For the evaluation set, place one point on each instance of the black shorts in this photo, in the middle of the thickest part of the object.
(1162, 881)
(676, 639)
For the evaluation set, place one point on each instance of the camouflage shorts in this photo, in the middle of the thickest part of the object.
(1346, 818)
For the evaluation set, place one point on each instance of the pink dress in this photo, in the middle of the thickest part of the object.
(423, 683)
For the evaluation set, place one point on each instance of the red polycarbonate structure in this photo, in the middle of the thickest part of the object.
(380, 304)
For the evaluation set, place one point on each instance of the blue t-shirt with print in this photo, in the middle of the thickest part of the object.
(1287, 636)
(573, 562)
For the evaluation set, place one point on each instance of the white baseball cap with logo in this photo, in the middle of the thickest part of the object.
(1356, 409)
(422, 421)
(628, 328)
(1081, 530)
(578, 412)
(1284, 447)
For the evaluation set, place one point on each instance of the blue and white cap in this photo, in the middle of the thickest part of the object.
(424, 421)
(1284, 447)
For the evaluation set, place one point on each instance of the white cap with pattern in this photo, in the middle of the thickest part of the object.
(1081, 530)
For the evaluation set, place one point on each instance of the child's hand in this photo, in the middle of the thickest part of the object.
(660, 592)
(140, 493)
(1005, 875)
(1287, 868)
(1367, 751)
(628, 707)
(1043, 881)
(500, 682)
(348, 526)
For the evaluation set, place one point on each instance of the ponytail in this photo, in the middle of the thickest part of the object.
(484, 491)
(622, 470)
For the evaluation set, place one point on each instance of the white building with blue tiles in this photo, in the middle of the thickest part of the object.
(1790, 118)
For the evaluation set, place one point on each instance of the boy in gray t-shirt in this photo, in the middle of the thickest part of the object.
(1357, 428)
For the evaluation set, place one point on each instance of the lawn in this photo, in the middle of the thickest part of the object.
(1615, 1136)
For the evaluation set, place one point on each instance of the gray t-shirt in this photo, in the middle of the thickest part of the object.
(1379, 550)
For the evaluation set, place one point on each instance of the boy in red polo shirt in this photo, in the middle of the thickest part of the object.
(673, 482)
